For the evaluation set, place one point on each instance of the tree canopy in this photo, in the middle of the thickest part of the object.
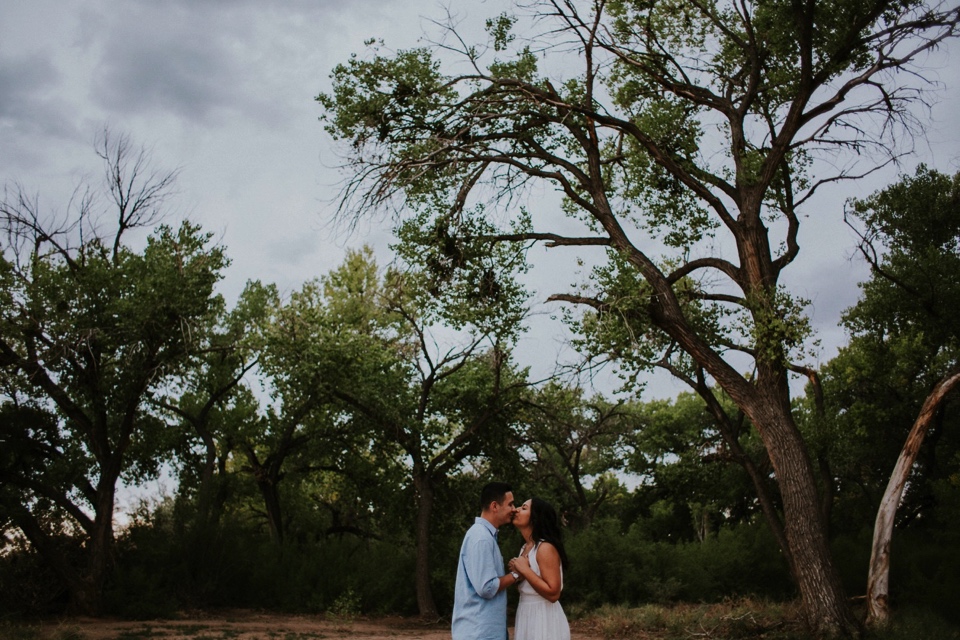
(90, 329)
(674, 126)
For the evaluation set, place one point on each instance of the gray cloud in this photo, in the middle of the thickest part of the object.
(29, 100)
(34, 110)
(153, 64)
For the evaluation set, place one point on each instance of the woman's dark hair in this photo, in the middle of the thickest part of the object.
(545, 525)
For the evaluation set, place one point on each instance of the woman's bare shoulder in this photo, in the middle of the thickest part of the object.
(546, 549)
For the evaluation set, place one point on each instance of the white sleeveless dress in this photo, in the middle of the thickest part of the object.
(537, 617)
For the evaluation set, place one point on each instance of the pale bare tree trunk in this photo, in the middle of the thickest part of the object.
(878, 579)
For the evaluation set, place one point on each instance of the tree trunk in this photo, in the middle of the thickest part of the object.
(209, 489)
(424, 495)
(731, 438)
(101, 551)
(86, 592)
(878, 580)
(827, 611)
(271, 502)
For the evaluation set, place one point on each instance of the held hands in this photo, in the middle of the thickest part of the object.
(519, 564)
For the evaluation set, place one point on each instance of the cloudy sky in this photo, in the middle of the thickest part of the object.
(224, 90)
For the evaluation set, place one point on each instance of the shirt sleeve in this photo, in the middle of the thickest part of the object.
(482, 571)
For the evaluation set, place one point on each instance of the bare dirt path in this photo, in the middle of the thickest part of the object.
(247, 625)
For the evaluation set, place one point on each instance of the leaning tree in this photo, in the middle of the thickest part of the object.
(910, 237)
(679, 133)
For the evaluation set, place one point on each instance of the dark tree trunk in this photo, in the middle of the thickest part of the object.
(100, 552)
(423, 487)
(827, 611)
(730, 436)
(84, 584)
(270, 492)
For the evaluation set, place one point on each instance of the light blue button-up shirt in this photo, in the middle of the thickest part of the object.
(479, 607)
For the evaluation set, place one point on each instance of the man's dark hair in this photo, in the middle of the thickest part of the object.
(493, 492)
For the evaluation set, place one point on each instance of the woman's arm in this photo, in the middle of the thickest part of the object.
(549, 583)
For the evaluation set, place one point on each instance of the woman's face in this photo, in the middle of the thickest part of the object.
(522, 519)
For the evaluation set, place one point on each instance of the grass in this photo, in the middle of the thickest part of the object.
(729, 620)
(736, 619)
(143, 633)
(15, 631)
(11, 631)
(741, 619)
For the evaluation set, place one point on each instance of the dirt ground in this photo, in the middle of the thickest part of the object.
(246, 625)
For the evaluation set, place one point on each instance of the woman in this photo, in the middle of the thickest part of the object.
(540, 566)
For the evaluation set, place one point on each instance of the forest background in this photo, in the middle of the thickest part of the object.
(327, 442)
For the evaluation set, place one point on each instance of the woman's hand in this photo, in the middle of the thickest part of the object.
(519, 564)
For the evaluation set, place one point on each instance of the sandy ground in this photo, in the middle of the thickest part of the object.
(246, 625)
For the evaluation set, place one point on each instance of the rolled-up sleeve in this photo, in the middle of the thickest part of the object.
(482, 570)
(479, 605)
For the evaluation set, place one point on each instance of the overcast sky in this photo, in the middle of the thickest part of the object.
(225, 90)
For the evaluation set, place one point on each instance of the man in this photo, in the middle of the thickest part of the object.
(480, 597)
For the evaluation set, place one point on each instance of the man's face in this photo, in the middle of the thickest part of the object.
(505, 510)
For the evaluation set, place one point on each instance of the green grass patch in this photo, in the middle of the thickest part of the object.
(189, 629)
(141, 634)
(13, 631)
(913, 624)
(730, 620)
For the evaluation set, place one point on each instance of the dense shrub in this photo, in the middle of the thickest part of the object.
(27, 585)
(610, 567)
(164, 565)
(924, 568)
(165, 562)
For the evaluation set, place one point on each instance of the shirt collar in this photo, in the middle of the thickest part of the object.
(486, 523)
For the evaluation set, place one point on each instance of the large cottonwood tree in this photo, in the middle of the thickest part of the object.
(90, 329)
(665, 124)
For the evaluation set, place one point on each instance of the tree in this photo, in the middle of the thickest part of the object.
(301, 430)
(213, 400)
(578, 445)
(684, 120)
(426, 370)
(685, 461)
(911, 239)
(90, 329)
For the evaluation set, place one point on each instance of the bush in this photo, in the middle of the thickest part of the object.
(917, 622)
(27, 585)
(611, 567)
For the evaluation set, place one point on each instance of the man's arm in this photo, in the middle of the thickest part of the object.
(507, 580)
(483, 573)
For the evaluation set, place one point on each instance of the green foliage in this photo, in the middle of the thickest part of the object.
(92, 330)
(778, 327)
(165, 566)
(499, 30)
(574, 447)
(456, 274)
(609, 566)
(28, 585)
(903, 340)
(911, 238)
(346, 607)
